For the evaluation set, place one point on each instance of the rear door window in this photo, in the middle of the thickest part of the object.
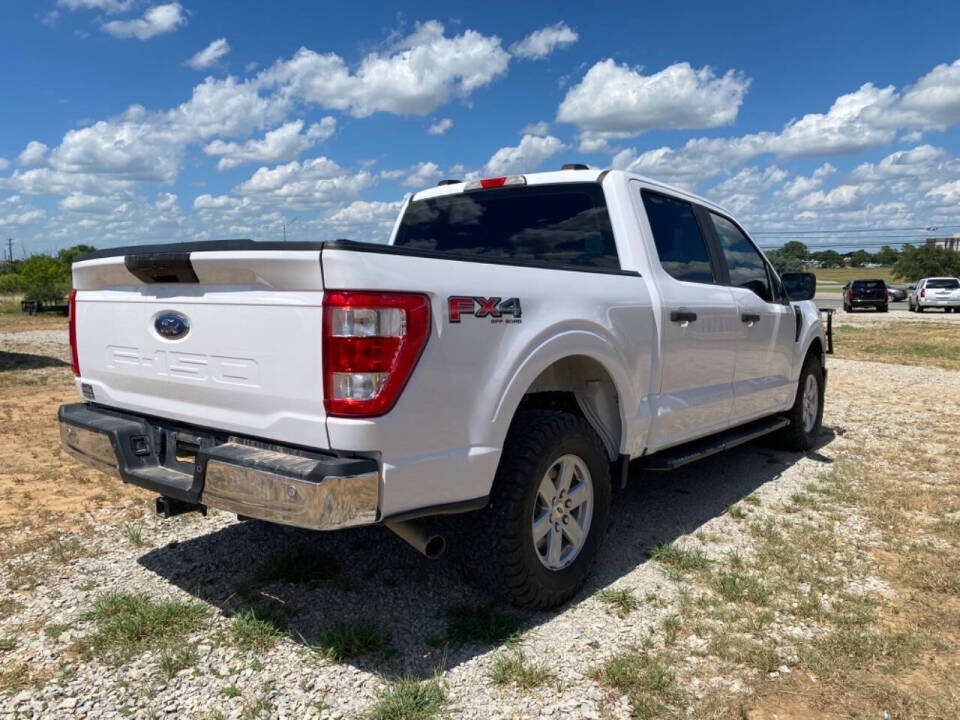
(563, 225)
(676, 234)
(946, 284)
(746, 265)
(870, 285)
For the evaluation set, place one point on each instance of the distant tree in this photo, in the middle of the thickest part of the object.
(44, 278)
(829, 258)
(784, 263)
(859, 258)
(68, 255)
(886, 256)
(10, 284)
(795, 249)
(916, 263)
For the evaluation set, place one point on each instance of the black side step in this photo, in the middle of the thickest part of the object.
(672, 458)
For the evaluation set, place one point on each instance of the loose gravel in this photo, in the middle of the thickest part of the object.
(378, 579)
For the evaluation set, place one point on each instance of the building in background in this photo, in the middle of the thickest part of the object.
(950, 243)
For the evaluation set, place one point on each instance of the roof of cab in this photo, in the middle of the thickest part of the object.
(570, 176)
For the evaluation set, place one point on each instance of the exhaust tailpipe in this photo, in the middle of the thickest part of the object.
(427, 543)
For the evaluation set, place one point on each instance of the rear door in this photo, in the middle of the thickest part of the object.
(698, 326)
(229, 340)
(767, 326)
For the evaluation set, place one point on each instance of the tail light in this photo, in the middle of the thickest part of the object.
(495, 182)
(923, 292)
(886, 294)
(74, 358)
(371, 343)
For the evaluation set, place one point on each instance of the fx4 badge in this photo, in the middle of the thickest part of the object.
(494, 308)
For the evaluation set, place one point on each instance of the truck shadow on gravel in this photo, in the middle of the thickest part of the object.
(27, 361)
(331, 589)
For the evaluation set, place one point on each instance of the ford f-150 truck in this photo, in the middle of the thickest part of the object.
(514, 347)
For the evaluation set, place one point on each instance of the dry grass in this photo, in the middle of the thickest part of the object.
(928, 344)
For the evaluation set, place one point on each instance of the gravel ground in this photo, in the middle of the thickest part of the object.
(381, 580)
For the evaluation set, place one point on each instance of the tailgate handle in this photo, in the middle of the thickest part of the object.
(161, 267)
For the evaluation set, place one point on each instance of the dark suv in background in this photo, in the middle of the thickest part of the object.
(866, 293)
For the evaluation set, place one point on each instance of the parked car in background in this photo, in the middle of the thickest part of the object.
(865, 293)
(896, 294)
(935, 292)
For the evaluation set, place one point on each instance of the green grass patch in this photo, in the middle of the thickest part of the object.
(409, 699)
(56, 630)
(735, 587)
(481, 626)
(231, 691)
(677, 560)
(173, 660)
(647, 680)
(250, 632)
(134, 534)
(126, 625)
(623, 601)
(7, 644)
(348, 639)
(514, 667)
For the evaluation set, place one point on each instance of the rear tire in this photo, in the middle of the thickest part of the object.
(806, 415)
(544, 451)
(884, 308)
(919, 307)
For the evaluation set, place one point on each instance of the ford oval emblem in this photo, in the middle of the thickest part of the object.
(171, 325)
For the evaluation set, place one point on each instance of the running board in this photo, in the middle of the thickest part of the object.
(672, 458)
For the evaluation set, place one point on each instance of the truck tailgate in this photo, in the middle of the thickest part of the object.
(238, 350)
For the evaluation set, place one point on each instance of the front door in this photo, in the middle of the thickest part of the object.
(766, 332)
(698, 326)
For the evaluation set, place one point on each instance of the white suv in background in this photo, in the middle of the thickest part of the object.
(935, 292)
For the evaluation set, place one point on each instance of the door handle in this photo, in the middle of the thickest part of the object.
(682, 316)
(749, 317)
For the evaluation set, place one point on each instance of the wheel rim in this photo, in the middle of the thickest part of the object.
(562, 512)
(810, 403)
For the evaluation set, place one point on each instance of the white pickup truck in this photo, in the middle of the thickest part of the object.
(514, 347)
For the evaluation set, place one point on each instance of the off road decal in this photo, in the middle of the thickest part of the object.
(494, 308)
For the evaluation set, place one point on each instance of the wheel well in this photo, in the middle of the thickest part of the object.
(815, 347)
(581, 386)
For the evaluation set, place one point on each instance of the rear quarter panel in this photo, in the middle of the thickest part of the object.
(442, 441)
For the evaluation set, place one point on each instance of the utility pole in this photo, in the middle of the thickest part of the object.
(10, 249)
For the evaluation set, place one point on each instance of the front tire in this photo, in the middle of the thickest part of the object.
(539, 538)
(806, 415)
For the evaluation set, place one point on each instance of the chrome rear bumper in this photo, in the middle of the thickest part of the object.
(284, 485)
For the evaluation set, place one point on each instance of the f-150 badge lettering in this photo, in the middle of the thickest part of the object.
(494, 308)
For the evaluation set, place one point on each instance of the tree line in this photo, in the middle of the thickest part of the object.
(41, 277)
(910, 263)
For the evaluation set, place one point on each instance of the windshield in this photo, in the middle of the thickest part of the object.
(563, 225)
(944, 284)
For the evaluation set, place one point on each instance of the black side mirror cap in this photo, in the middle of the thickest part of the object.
(800, 285)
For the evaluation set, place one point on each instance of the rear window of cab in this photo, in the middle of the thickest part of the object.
(562, 225)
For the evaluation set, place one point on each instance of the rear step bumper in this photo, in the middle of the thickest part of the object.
(195, 465)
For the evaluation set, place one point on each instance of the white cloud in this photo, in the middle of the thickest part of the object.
(306, 185)
(616, 101)
(423, 174)
(364, 212)
(423, 71)
(537, 128)
(903, 163)
(108, 6)
(525, 157)
(209, 55)
(16, 213)
(948, 193)
(440, 127)
(842, 196)
(803, 185)
(33, 154)
(540, 43)
(4, 163)
(157, 20)
(284, 143)
(751, 180)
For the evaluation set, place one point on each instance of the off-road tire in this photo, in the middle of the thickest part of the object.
(793, 436)
(503, 546)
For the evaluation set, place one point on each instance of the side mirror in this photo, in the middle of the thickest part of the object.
(800, 285)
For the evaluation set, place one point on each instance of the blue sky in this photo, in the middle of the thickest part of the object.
(130, 121)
